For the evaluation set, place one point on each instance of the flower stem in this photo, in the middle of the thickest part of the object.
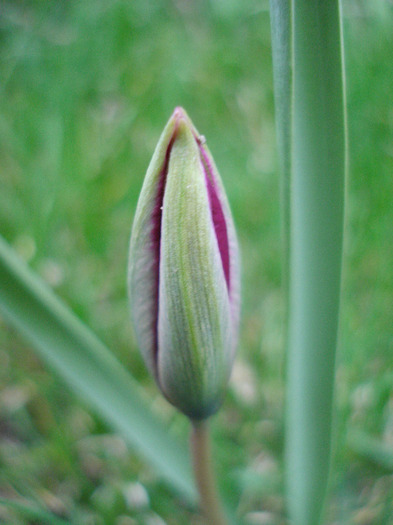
(201, 456)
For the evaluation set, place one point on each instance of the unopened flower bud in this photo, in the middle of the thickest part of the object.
(184, 272)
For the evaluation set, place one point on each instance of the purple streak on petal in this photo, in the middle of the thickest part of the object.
(219, 222)
(156, 220)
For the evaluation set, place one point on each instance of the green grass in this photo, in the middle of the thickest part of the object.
(86, 88)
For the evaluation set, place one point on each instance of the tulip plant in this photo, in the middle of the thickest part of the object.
(184, 284)
(183, 279)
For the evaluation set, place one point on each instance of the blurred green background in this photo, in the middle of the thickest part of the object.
(85, 90)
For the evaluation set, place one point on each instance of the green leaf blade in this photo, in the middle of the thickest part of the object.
(281, 30)
(70, 348)
(309, 92)
(318, 167)
(32, 512)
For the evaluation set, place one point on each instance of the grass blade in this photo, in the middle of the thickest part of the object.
(371, 448)
(69, 347)
(280, 19)
(316, 232)
(33, 513)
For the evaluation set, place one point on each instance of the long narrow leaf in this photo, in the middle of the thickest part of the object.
(371, 448)
(281, 27)
(88, 367)
(316, 232)
(34, 513)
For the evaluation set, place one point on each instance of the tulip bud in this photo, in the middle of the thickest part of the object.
(184, 272)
